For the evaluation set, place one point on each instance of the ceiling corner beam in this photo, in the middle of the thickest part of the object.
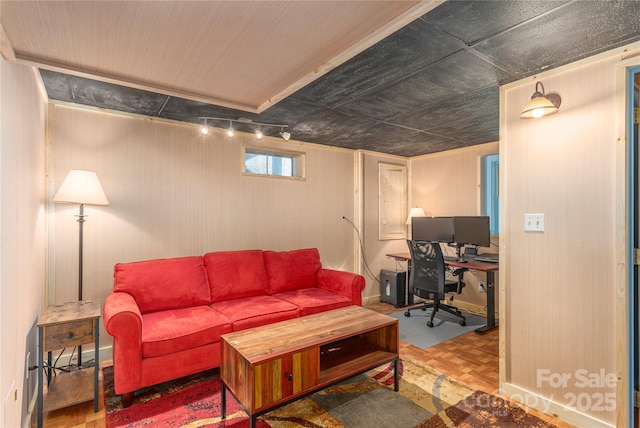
(405, 18)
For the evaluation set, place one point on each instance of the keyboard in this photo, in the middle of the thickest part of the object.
(487, 259)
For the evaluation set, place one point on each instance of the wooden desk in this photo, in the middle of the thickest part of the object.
(471, 264)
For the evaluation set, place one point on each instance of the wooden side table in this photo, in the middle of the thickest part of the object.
(65, 326)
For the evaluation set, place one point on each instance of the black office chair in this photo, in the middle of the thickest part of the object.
(427, 279)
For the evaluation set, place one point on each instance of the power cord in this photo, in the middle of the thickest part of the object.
(362, 250)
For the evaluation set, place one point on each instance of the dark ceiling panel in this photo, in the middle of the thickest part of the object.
(95, 93)
(431, 86)
(471, 118)
(472, 21)
(459, 73)
(572, 32)
(407, 51)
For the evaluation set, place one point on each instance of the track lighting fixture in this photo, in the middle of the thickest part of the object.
(259, 133)
(285, 135)
(540, 104)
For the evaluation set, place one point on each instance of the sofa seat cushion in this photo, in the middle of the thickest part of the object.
(158, 285)
(291, 270)
(256, 311)
(235, 274)
(175, 330)
(313, 300)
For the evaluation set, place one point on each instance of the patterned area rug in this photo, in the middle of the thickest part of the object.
(426, 399)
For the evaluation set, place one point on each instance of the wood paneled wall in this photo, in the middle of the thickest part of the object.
(174, 192)
(560, 287)
(22, 232)
(448, 184)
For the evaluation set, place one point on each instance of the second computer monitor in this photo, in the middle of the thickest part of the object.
(472, 231)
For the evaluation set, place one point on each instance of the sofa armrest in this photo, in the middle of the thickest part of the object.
(123, 321)
(345, 283)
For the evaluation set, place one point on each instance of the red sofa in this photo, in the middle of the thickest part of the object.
(166, 316)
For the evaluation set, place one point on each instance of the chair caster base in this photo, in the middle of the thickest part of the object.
(429, 324)
(463, 323)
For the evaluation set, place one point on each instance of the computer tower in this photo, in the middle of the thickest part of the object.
(393, 287)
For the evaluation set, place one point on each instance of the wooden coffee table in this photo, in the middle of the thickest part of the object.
(270, 366)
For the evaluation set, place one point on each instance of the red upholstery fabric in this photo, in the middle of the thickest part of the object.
(256, 311)
(175, 330)
(235, 274)
(345, 283)
(158, 285)
(314, 300)
(290, 270)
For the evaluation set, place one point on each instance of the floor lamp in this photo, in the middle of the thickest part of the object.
(81, 187)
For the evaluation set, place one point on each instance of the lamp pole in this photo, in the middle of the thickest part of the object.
(81, 221)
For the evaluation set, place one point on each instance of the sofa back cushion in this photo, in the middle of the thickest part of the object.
(163, 284)
(235, 274)
(291, 270)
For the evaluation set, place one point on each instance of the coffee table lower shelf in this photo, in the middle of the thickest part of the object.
(281, 403)
(270, 366)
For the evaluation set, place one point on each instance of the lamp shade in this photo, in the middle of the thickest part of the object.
(540, 104)
(81, 187)
(415, 212)
(538, 107)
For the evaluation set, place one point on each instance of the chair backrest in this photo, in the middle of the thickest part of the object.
(427, 267)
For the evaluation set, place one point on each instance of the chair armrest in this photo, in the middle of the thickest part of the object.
(345, 283)
(123, 321)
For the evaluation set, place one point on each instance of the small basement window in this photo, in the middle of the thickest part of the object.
(273, 163)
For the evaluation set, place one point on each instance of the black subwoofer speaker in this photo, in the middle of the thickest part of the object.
(393, 287)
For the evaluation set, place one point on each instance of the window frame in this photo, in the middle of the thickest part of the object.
(491, 191)
(298, 158)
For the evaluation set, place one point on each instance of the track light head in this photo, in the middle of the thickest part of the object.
(259, 134)
(231, 132)
(285, 135)
(204, 129)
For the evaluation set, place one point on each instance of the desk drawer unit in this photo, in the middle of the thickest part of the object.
(68, 335)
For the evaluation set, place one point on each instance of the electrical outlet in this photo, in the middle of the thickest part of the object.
(534, 222)
(481, 287)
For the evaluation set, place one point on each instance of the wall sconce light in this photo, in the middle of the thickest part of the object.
(258, 131)
(541, 104)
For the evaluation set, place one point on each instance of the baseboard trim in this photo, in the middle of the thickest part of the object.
(550, 407)
(468, 307)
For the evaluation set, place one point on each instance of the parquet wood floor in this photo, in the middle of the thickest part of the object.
(471, 358)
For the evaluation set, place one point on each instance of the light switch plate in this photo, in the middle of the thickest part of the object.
(534, 222)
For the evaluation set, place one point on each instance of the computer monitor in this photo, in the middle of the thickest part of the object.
(472, 231)
(434, 229)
